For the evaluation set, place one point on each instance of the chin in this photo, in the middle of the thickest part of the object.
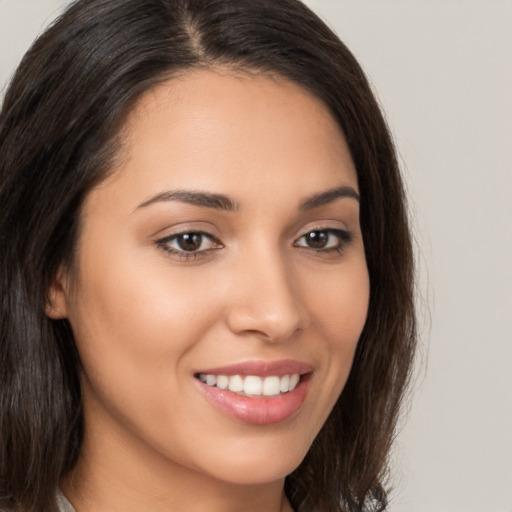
(257, 464)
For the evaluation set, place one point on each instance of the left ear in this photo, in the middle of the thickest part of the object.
(57, 300)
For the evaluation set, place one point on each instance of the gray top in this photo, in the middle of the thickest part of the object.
(63, 503)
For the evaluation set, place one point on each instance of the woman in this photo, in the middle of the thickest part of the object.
(206, 267)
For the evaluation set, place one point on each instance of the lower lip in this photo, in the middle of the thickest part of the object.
(258, 410)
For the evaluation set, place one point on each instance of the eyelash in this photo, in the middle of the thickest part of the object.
(343, 238)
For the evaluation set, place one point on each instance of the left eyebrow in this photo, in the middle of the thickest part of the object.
(323, 198)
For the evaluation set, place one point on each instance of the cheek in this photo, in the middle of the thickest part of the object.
(339, 305)
(134, 323)
(140, 306)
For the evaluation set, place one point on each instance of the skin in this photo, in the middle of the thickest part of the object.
(145, 320)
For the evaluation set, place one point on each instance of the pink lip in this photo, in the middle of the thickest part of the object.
(259, 410)
(260, 368)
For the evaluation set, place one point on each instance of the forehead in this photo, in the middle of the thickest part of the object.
(232, 133)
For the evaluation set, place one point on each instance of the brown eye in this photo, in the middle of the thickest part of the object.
(317, 239)
(189, 241)
(324, 239)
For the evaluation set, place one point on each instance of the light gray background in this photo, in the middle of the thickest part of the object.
(443, 72)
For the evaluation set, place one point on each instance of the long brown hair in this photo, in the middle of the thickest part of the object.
(58, 137)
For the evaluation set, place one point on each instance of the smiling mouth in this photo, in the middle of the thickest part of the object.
(252, 385)
(257, 393)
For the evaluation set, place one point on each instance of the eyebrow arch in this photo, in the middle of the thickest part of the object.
(328, 196)
(203, 199)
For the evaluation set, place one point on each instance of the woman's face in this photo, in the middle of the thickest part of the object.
(225, 247)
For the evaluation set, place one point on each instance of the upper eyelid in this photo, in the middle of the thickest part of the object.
(335, 229)
(329, 229)
(185, 232)
(166, 230)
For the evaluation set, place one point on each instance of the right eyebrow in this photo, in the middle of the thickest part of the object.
(196, 198)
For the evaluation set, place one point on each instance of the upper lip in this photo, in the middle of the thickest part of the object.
(260, 368)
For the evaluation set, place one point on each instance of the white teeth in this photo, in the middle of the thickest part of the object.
(271, 386)
(252, 385)
(236, 383)
(222, 381)
(284, 384)
(294, 380)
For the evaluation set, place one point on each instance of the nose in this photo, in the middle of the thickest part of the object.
(266, 300)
